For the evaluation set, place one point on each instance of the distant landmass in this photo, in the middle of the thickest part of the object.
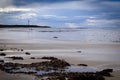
(23, 26)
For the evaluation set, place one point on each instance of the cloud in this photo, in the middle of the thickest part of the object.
(79, 4)
(71, 25)
(112, 4)
(14, 9)
(26, 15)
(5, 3)
(47, 16)
(72, 5)
(69, 4)
(8, 6)
(103, 22)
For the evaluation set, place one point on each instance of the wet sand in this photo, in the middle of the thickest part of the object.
(66, 51)
(93, 53)
(6, 76)
(115, 74)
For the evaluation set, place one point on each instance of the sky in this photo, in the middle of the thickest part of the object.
(61, 13)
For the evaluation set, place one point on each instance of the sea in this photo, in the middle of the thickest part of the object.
(80, 35)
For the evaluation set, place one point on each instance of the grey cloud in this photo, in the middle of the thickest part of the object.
(5, 3)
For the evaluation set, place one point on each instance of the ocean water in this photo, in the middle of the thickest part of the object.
(81, 35)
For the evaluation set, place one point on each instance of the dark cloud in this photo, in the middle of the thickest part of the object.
(27, 2)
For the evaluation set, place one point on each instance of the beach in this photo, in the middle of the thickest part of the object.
(96, 53)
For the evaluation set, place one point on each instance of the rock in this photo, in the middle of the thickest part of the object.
(16, 58)
(108, 70)
(21, 49)
(2, 54)
(53, 63)
(59, 63)
(2, 61)
(27, 53)
(79, 51)
(32, 58)
(1, 49)
(82, 65)
(50, 58)
(55, 37)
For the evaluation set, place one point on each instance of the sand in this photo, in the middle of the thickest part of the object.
(93, 53)
(115, 74)
(98, 55)
(66, 51)
(6, 76)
